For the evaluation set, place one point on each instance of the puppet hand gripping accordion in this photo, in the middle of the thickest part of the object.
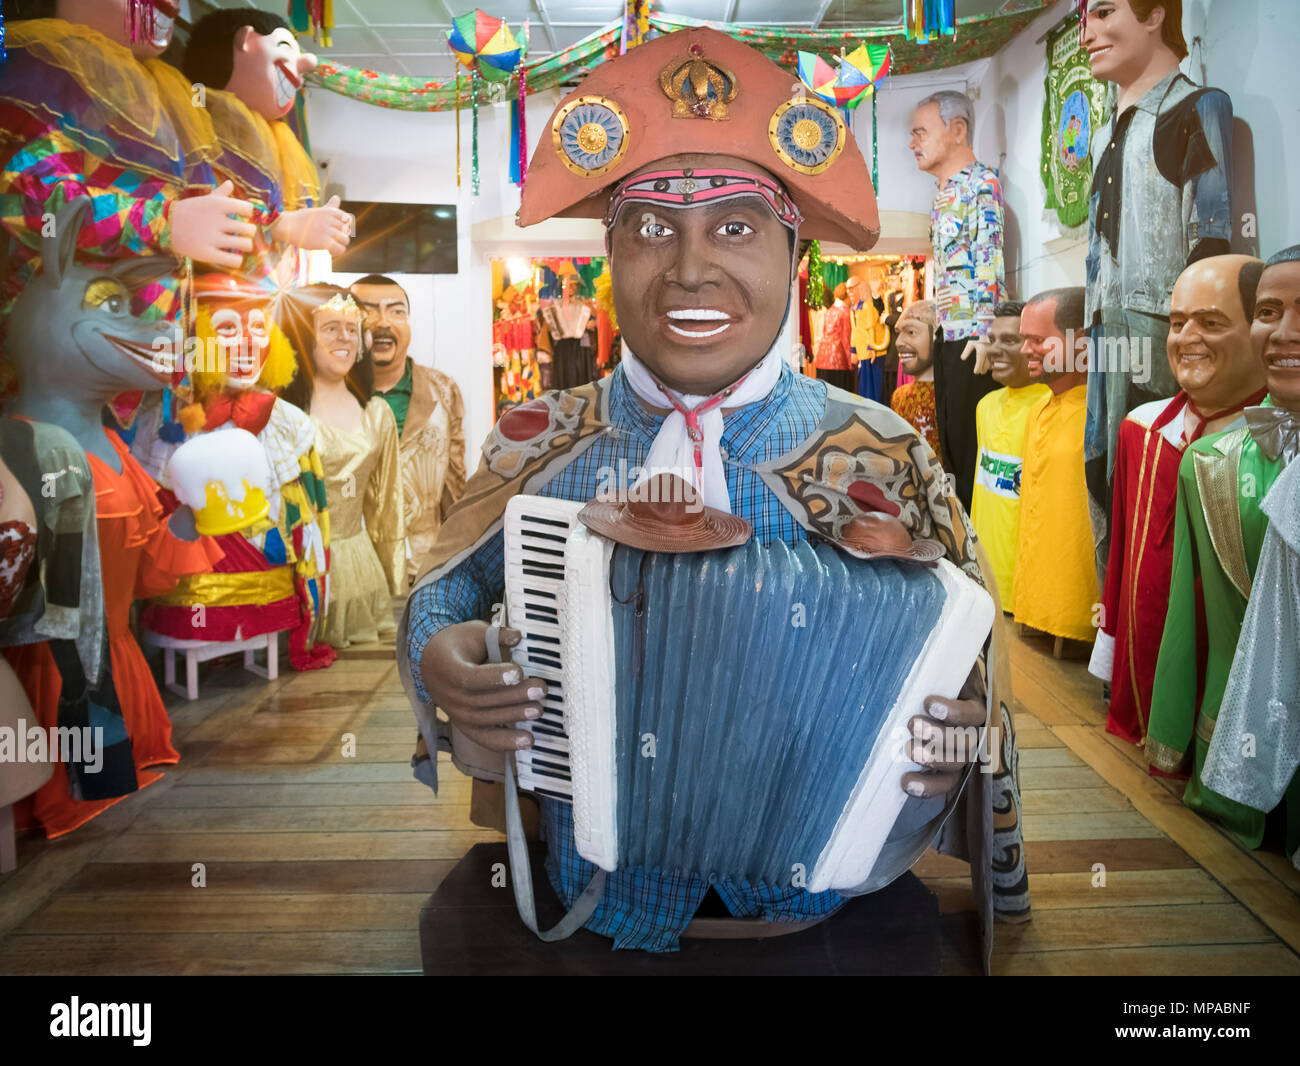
(728, 710)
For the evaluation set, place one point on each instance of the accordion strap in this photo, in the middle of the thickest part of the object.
(521, 874)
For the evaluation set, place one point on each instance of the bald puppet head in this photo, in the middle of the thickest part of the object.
(1209, 331)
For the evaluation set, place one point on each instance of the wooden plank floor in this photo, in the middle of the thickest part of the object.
(317, 862)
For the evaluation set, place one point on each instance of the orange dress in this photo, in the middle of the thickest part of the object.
(141, 558)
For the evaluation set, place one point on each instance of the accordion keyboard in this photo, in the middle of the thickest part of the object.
(536, 529)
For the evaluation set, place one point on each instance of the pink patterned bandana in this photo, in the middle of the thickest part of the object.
(690, 188)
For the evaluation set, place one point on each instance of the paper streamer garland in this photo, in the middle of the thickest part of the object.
(816, 279)
(484, 45)
(981, 37)
(315, 17)
(925, 21)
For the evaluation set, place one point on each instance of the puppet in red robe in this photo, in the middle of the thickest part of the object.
(1210, 354)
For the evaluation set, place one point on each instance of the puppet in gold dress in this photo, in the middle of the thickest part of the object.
(356, 437)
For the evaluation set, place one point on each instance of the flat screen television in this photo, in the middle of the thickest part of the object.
(400, 239)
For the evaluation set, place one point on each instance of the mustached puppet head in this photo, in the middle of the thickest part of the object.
(73, 327)
(252, 54)
(242, 346)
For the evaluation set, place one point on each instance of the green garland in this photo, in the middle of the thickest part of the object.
(816, 278)
(422, 94)
(978, 37)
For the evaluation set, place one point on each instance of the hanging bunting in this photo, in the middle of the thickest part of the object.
(845, 87)
(315, 17)
(981, 36)
(473, 151)
(875, 141)
(925, 21)
(458, 127)
(483, 45)
(521, 106)
(636, 24)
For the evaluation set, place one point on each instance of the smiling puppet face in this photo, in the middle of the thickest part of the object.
(1209, 333)
(1122, 36)
(268, 70)
(701, 291)
(150, 22)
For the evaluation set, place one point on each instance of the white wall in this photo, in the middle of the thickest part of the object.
(410, 157)
(1249, 52)
(1246, 49)
(902, 186)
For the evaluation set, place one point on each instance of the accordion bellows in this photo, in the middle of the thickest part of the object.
(743, 713)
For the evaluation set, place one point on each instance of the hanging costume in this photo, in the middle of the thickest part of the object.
(869, 340)
(1001, 421)
(573, 360)
(834, 346)
(1056, 582)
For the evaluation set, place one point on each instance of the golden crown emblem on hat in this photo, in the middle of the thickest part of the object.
(697, 87)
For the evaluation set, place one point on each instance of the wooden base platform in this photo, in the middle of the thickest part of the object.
(316, 861)
(469, 928)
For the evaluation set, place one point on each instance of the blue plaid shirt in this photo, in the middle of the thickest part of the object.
(640, 908)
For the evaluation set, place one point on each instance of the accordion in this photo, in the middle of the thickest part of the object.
(741, 712)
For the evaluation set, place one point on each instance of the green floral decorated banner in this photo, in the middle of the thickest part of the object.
(1074, 110)
(978, 37)
(422, 94)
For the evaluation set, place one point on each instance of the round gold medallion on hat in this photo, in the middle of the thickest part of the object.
(592, 137)
(807, 134)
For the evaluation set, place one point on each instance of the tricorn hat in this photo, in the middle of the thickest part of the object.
(665, 515)
(701, 91)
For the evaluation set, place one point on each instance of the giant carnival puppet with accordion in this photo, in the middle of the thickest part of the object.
(746, 625)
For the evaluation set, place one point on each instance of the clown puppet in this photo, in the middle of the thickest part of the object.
(246, 68)
(88, 110)
(273, 574)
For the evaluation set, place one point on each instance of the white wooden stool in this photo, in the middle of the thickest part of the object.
(200, 651)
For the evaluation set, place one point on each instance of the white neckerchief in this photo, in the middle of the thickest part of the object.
(673, 449)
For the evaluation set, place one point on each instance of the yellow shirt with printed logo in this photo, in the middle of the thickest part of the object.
(1000, 422)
